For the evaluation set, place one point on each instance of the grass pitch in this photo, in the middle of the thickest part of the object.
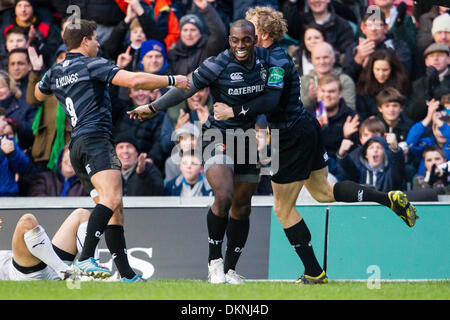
(164, 289)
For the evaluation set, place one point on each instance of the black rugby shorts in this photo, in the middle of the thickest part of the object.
(301, 150)
(91, 153)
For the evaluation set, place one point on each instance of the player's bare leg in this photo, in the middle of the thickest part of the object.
(111, 196)
(319, 187)
(21, 254)
(108, 185)
(238, 228)
(220, 177)
(32, 247)
(296, 230)
(66, 236)
(284, 202)
(349, 191)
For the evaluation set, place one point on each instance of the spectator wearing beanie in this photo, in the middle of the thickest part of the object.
(433, 28)
(153, 58)
(193, 47)
(139, 176)
(441, 29)
(37, 24)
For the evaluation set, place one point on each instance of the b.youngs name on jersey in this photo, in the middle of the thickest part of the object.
(245, 90)
(66, 80)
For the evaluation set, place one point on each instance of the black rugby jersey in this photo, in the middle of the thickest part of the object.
(281, 101)
(290, 107)
(81, 84)
(232, 83)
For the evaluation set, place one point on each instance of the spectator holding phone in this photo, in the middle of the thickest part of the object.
(12, 161)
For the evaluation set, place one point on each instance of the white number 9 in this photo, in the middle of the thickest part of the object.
(71, 110)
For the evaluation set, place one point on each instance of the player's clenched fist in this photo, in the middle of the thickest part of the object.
(222, 111)
(182, 82)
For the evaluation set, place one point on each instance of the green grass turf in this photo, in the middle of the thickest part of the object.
(164, 289)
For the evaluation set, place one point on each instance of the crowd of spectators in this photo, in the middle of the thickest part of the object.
(375, 73)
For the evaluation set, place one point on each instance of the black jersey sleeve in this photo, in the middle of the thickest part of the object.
(45, 83)
(209, 70)
(267, 101)
(102, 69)
(263, 104)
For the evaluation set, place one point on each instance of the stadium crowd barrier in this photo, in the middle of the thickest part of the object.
(167, 237)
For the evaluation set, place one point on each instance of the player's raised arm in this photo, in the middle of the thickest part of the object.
(148, 81)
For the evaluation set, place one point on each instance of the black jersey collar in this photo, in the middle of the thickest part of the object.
(73, 55)
(272, 46)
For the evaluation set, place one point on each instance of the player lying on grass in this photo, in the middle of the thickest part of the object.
(35, 257)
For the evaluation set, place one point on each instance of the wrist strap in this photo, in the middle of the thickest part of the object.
(152, 108)
(171, 80)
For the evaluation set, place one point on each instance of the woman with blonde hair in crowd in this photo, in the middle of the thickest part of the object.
(17, 108)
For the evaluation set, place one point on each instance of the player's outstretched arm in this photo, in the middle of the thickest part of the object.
(171, 98)
(148, 81)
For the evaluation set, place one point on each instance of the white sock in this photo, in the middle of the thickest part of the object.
(81, 235)
(40, 246)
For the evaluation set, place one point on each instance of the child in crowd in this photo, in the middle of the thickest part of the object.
(370, 127)
(191, 182)
(445, 102)
(380, 164)
(186, 138)
(440, 127)
(436, 169)
(391, 103)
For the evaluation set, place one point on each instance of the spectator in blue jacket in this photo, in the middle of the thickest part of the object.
(12, 161)
(440, 126)
(191, 182)
(380, 164)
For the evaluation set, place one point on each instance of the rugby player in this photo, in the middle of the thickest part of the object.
(234, 76)
(35, 257)
(302, 156)
(80, 84)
